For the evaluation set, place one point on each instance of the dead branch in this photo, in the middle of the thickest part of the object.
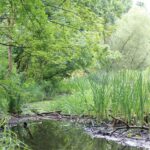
(129, 128)
(125, 123)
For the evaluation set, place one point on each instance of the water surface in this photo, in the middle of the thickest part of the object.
(53, 135)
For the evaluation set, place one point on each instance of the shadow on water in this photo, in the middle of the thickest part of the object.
(53, 135)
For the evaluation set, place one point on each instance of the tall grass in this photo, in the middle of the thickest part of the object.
(123, 93)
(8, 139)
(99, 87)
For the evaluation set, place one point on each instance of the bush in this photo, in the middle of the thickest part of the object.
(15, 92)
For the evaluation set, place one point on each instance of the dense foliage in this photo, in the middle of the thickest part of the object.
(47, 40)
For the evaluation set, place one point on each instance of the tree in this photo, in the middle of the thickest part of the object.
(15, 18)
(109, 10)
(132, 40)
(50, 39)
(47, 40)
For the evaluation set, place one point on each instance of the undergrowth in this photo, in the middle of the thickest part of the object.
(124, 94)
(8, 139)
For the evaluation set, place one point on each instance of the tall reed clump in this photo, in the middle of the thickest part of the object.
(124, 94)
(129, 95)
(100, 92)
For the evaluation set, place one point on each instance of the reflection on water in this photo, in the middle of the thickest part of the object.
(52, 135)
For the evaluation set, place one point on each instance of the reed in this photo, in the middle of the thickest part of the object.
(124, 94)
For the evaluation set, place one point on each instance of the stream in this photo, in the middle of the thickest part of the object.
(56, 135)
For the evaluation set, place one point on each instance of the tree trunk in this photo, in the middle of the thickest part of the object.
(10, 66)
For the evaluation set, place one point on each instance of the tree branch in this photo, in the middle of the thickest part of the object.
(57, 7)
(61, 24)
(5, 44)
(128, 39)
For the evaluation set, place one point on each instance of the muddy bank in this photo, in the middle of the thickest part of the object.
(138, 137)
(57, 116)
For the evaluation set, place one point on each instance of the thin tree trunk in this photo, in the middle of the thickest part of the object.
(10, 65)
(11, 23)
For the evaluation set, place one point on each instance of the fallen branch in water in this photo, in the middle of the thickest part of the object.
(129, 128)
(121, 121)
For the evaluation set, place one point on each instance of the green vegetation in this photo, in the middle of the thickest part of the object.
(8, 139)
(43, 42)
(122, 94)
(128, 41)
(78, 56)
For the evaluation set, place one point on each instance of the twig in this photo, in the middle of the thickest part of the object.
(126, 124)
(119, 128)
(129, 128)
(139, 127)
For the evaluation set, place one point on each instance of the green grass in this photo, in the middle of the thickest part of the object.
(8, 139)
(71, 104)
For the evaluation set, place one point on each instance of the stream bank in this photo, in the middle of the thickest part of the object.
(134, 137)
